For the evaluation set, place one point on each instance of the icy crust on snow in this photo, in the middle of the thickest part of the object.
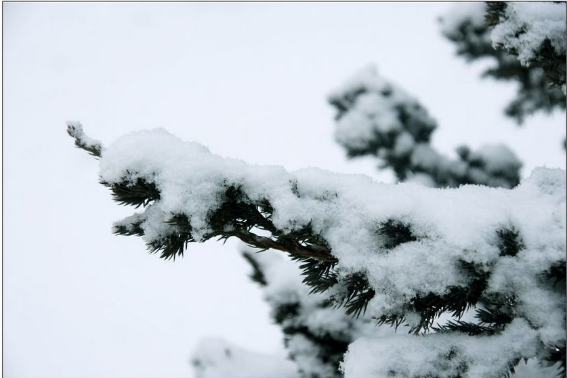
(216, 358)
(445, 355)
(526, 26)
(449, 225)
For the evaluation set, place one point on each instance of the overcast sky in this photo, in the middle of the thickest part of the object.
(247, 80)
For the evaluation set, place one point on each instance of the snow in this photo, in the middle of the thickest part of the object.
(450, 225)
(460, 14)
(423, 179)
(191, 181)
(472, 356)
(376, 117)
(284, 286)
(119, 67)
(440, 355)
(496, 157)
(378, 107)
(527, 25)
(216, 358)
(523, 28)
(305, 352)
(404, 144)
(424, 156)
(75, 129)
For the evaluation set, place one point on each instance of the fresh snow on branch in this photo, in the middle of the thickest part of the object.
(316, 333)
(526, 27)
(402, 254)
(474, 272)
(82, 140)
(447, 355)
(475, 27)
(508, 240)
(461, 14)
(376, 117)
(369, 107)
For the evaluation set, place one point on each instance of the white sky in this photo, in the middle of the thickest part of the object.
(247, 80)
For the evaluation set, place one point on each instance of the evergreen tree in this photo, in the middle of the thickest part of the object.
(377, 254)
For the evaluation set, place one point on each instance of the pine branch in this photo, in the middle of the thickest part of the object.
(293, 312)
(509, 242)
(395, 233)
(137, 193)
(553, 355)
(257, 274)
(292, 247)
(495, 10)
(495, 315)
(176, 242)
(398, 133)
(319, 275)
(538, 84)
(357, 294)
(391, 320)
(512, 364)
(236, 217)
(82, 141)
(238, 203)
(128, 230)
(468, 328)
(557, 273)
(430, 306)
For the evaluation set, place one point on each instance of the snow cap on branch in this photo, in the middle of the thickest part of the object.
(347, 212)
(402, 254)
(500, 32)
(82, 140)
(375, 117)
(525, 28)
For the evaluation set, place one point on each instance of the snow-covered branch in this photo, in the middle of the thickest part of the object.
(534, 32)
(376, 117)
(316, 334)
(82, 140)
(403, 254)
(526, 42)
